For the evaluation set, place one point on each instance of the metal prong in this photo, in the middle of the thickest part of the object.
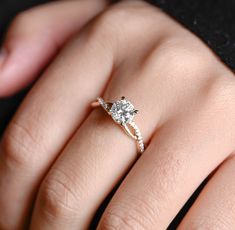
(136, 111)
(123, 98)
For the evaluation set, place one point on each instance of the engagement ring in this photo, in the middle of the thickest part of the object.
(123, 112)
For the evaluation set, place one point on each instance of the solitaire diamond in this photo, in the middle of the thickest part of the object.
(123, 111)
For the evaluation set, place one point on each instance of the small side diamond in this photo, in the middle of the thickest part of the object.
(138, 136)
(102, 102)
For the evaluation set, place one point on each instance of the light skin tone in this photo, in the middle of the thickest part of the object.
(60, 158)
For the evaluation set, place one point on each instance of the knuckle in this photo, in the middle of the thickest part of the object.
(134, 214)
(121, 24)
(123, 12)
(57, 198)
(106, 27)
(27, 22)
(219, 99)
(221, 95)
(22, 19)
(185, 60)
(206, 223)
(112, 221)
(19, 145)
(123, 17)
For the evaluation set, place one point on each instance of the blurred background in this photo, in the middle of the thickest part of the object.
(8, 10)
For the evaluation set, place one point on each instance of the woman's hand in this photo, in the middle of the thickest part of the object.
(61, 159)
(36, 36)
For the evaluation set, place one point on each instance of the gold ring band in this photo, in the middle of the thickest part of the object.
(123, 112)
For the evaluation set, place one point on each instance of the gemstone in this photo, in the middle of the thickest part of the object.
(122, 111)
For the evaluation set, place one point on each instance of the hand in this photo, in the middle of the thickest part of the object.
(61, 159)
(37, 35)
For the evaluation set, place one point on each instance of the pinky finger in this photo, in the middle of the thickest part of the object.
(36, 35)
(215, 206)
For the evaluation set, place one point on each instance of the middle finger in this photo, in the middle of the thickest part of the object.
(48, 117)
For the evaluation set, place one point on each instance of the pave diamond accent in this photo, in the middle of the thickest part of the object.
(122, 111)
(138, 136)
(102, 103)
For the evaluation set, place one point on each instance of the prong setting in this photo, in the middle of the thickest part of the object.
(122, 111)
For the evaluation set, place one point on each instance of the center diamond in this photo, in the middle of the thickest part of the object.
(122, 111)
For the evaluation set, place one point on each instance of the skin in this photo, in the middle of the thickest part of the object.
(36, 36)
(60, 159)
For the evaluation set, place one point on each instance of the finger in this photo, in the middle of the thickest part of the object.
(100, 153)
(50, 114)
(35, 37)
(214, 208)
(96, 159)
(181, 154)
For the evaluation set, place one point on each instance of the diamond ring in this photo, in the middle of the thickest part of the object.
(123, 112)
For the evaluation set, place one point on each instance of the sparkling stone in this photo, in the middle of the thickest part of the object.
(122, 111)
